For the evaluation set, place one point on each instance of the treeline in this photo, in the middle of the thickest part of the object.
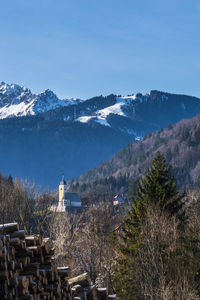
(24, 204)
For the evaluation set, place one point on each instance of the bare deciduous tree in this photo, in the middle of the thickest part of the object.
(84, 242)
(161, 272)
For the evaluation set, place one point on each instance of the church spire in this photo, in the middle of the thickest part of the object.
(63, 180)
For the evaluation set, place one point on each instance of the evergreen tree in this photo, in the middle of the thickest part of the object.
(156, 189)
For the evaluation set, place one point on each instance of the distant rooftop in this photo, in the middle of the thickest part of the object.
(72, 196)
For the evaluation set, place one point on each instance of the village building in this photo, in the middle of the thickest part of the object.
(66, 201)
(118, 200)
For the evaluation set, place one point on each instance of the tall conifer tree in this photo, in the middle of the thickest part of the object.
(157, 188)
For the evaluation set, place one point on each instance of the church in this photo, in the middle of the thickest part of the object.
(67, 201)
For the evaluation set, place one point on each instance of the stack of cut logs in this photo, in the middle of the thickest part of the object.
(28, 271)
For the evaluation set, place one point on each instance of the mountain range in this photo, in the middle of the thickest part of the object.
(42, 136)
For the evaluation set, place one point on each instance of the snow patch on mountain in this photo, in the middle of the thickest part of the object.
(85, 119)
(17, 110)
(113, 109)
(102, 121)
(98, 119)
(101, 115)
(128, 98)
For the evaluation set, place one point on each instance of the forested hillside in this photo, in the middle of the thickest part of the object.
(180, 144)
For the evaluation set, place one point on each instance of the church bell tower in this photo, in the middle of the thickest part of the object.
(62, 190)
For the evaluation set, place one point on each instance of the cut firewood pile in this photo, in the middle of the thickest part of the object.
(28, 271)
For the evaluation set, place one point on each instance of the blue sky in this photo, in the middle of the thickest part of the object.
(85, 48)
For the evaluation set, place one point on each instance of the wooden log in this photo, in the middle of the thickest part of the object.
(69, 296)
(11, 265)
(39, 286)
(50, 275)
(10, 296)
(30, 240)
(22, 252)
(12, 251)
(38, 259)
(4, 265)
(112, 297)
(38, 238)
(32, 269)
(8, 228)
(4, 238)
(48, 266)
(5, 256)
(24, 260)
(23, 282)
(83, 280)
(27, 297)
(4, 290)
(77, 289)
(102, 293)
(4, 250)
(47, 245)
(33, 287)
(91, 293)
(15, 241)
(19, 233)
(49, 287)
(42, 272)
(13, 281)
(57, 289)
(4, 275)
(45, 295)
(37, 251)
(18, 266)
(64, 271)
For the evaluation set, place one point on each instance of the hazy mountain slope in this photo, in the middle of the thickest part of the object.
(43, 150)
(71, 136)
(180, 144)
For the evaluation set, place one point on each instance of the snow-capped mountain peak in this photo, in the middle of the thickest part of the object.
(16, 101)
(12, 94)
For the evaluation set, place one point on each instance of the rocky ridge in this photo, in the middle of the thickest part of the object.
(17, 101)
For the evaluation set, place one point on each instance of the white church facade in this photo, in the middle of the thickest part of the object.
(66, 201)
